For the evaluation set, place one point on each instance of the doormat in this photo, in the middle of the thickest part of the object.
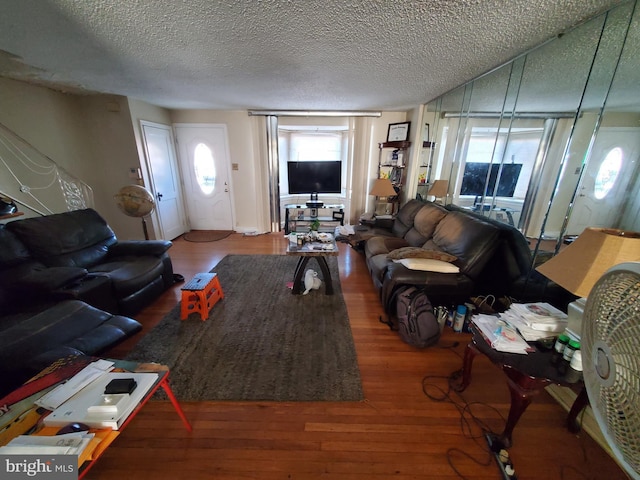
(206, 235)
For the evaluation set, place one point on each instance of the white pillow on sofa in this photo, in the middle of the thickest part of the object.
(428, 265)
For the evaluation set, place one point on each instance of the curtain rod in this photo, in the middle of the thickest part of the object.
(313, 113)
(509, 115)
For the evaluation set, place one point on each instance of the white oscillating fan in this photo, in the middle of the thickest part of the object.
(611, 360)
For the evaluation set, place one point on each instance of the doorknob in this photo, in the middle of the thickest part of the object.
(159, 196)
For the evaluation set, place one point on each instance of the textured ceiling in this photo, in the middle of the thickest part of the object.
(273, 54)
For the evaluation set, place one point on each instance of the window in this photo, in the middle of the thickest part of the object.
(515, 148)
(299, 144)
(204, 168)
(608, 173)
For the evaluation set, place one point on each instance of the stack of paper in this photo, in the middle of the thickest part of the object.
(67, 444)
(68, 389)
(500, 335)
(81, 407)
(539, 317)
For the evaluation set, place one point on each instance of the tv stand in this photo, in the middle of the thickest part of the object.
(298, 218)
(313, 202)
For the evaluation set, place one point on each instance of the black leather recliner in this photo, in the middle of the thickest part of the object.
(76, 255)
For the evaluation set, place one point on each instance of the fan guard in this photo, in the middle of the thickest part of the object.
(611, 356)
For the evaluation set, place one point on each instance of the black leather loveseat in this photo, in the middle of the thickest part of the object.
(76, 255)
(486, 256)
(32, 337)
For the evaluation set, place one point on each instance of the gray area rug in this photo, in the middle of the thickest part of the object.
(260, 342)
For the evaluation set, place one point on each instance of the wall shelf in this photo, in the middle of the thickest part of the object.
(400, 145)
(395, 172)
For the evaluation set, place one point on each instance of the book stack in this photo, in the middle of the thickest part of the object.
(536, 320)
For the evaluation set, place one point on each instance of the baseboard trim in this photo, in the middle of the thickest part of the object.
(565, 397)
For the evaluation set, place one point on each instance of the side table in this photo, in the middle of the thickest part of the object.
(526, 376)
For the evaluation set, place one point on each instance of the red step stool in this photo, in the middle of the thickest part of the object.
(200, 294)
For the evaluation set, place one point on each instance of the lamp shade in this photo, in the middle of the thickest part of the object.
(383, 187)
(581, 264)
(439, 188)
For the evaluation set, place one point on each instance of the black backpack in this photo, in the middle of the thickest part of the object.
(414, 318)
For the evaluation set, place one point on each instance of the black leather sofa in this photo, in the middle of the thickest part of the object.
(66, 284)
(76, 255)
(493, 258)
(35, 337)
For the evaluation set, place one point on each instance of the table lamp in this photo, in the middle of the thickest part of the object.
(382, 187)
(439, 189)
(581, 264)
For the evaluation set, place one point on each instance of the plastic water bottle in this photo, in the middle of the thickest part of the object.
(458, 321)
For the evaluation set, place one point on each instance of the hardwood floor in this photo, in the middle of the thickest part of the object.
(407, 428)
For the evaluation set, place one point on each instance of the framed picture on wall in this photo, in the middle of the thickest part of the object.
(398, 132)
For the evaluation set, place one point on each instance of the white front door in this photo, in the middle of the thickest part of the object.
(204, 159)
(603, 190)
(163, 167)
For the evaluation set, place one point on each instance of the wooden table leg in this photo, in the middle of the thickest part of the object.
(579, 404)
(174, 401)
(522, 389)
(470, 353)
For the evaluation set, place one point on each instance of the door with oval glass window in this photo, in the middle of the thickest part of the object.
(605, 185)
(204, 159)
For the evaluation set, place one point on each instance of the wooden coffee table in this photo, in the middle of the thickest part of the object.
(23, 399)
(318, 250)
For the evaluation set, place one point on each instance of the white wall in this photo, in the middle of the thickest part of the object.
(113, 151)
(53, 123)
(89, 136)
(379, 131)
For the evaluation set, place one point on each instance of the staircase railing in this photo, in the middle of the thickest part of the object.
(35, 181)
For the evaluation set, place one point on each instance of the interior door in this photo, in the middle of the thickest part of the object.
(163, 167)
(204, 160)
(604, 187)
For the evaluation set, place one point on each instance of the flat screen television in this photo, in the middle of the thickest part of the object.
(475, 176)
(314, 177)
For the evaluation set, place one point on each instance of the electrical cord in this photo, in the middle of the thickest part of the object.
(467, 418)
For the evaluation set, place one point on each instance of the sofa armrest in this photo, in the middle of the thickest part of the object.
(442, 288)
(140, 247)
(50, 279)
(384, 222)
